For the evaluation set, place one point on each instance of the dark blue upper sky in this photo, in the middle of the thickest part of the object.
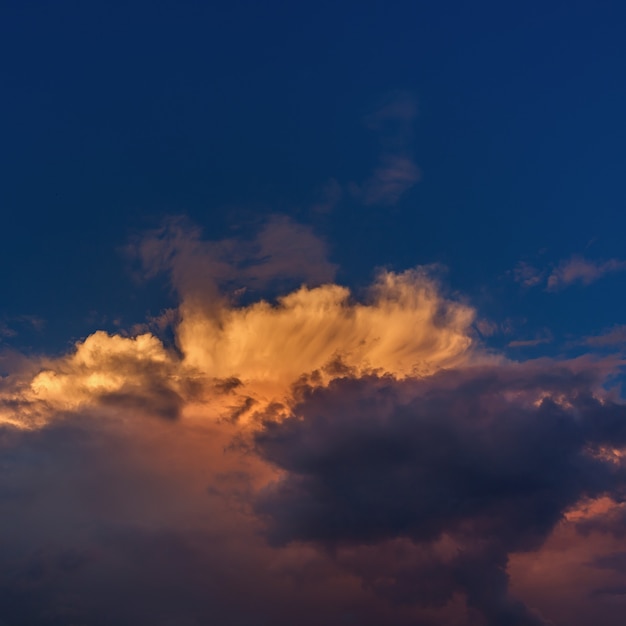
(116, 114)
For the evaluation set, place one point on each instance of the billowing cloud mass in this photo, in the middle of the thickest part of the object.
(465, 455)
(307, 458)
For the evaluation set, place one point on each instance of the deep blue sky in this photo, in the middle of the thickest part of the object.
(114, 115)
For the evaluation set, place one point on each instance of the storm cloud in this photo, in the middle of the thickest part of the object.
(488, 458)
(316, 458)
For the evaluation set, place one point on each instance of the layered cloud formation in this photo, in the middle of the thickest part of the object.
(310, 458)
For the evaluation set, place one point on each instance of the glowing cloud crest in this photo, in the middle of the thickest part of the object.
(405, 329)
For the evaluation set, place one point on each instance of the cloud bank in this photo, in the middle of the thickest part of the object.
(310, 458)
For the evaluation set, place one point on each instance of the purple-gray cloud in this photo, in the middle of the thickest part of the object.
(489, 458)
(282, 252)
(614, 337)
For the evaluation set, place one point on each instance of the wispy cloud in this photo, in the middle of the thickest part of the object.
(281, 252)
(575, 270)
(397, 171)
(545, 337)
(528, 275)
(395, 175)
(15, 325)
(614, 337)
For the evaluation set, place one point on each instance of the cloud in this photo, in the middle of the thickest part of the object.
(395, 175)
(404, 328)
(616, 336)
(396, 171)
(106, 371)
(9, 326)
(567, 272)
(580, 270)
(527, 275)
(545, 337)
(283, 252)
(330, 459)
(488, 459)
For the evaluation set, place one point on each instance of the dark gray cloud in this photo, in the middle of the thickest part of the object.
(490, 458)
(145, 521)
(400, 502)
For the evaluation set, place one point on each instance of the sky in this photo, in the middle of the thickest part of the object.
(312, 313)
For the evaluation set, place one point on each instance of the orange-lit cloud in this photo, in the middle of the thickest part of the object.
(404, 328)
(334, 459)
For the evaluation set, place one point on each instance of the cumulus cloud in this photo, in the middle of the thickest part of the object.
(487, 459)
(405, 327)
(330, 459)
(107, 371)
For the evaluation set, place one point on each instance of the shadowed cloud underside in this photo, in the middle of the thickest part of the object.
(369, 455)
